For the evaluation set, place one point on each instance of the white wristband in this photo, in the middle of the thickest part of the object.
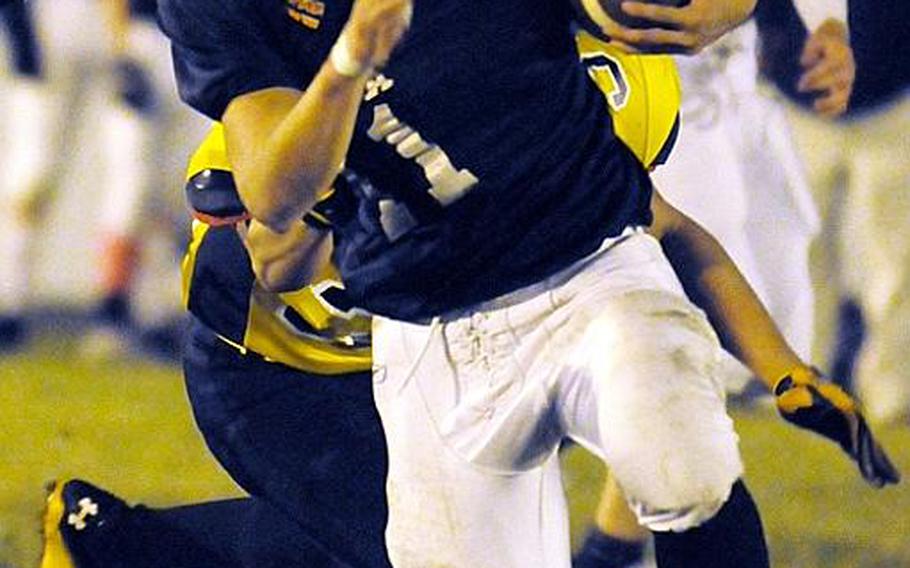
(343, 61)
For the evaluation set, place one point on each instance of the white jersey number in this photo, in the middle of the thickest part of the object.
(599, 63)
(447, 183)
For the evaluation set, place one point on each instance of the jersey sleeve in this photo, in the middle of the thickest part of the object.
(221, 49)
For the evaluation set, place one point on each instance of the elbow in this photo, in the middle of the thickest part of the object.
(278, 204)
(273, 204)
(274, 215)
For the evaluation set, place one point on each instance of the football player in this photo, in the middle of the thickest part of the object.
(82, 47)
(280, 388)
(307, 331)
(20, 191)
(67, 50)
(755, 176)
(858, 177)
(144, 119)
(480, 136)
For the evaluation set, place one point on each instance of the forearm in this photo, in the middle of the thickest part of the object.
(719, 288)
(287, 147)
(715, 284)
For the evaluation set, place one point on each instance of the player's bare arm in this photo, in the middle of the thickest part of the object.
(716, 285)
(289, 260)
(829, 68)
(286, 146)
(688, 28)
(747, 330)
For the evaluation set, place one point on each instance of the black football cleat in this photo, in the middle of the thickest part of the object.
(78, 517)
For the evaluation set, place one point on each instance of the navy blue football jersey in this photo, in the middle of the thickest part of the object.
(487, 155)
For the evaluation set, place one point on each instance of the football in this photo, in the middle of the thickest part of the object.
(592, 12)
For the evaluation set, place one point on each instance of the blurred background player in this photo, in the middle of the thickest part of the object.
(859, 174)
(281, 390)
(752, 193)
(104, 64)
(735, 170)
(26, 165)
(144, 137)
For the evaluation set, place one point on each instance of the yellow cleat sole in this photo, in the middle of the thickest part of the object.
(55, 554)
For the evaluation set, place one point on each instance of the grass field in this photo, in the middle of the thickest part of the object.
(127, 426)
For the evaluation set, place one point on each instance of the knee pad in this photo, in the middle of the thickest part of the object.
(679, 519)
(682, 489)
(662, 418)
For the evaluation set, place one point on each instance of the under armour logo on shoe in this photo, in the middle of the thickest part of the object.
(86, 508)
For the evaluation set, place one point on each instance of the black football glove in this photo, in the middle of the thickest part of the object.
(826, 409)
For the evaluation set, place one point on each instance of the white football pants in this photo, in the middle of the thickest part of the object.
(609, 353)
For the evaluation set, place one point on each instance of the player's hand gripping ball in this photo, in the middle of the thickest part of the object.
(599, 16)
(825, 408)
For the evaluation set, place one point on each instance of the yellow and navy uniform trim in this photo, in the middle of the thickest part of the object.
(643, 93)
(312, 329)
